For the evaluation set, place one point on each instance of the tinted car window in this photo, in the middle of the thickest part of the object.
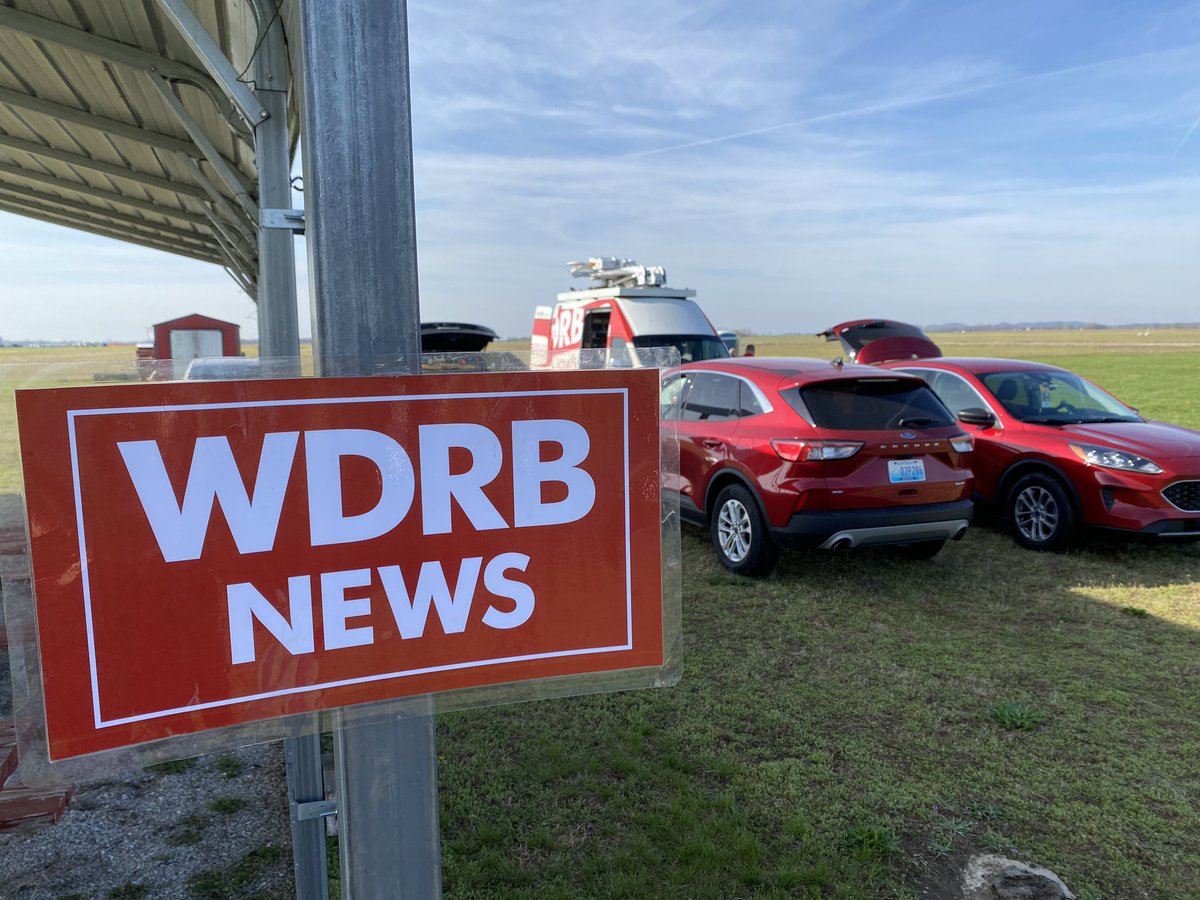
(952, 389)
(872, 405)
(711, 398)
(691, 347)
(748, 404)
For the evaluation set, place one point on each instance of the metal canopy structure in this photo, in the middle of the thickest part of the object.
(135, 119)
(172, 124)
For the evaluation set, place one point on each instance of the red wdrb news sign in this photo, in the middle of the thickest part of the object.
(210, 554)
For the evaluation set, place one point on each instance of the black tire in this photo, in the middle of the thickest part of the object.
(919, 550)
(1040, 513)
(739, 533)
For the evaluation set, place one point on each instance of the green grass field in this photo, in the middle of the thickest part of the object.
(855, 725)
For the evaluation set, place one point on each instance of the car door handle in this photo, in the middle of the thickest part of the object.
(713, 443)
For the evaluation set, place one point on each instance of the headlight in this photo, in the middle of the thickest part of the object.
(1115, 459)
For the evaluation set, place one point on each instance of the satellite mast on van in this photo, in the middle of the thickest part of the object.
(628, 306)
(609, 270)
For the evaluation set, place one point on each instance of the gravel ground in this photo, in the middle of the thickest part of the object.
(213, 827)
(152, 834)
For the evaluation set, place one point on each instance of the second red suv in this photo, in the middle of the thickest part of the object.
(803, 452)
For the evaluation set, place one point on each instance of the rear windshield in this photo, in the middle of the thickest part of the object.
(861, 335)
(691, 347)
(870, 404)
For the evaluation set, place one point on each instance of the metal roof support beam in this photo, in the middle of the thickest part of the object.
(71, 207)
(231, 240)
(239, 277)
(115, 127)
(225, 172)
(101, 47)
(240, 280)
(112, 170)
(108, 196)
(234, 260)
(67, 220)
(209, 53)
(278, 318)
(200, 243)
(232, 216)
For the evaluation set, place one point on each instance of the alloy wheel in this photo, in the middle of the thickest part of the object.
(1036, 514)
(733, 530)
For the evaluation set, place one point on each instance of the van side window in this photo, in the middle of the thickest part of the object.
(712, 398)
(595, 329)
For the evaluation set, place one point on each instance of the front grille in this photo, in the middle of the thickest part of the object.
(1185, 495)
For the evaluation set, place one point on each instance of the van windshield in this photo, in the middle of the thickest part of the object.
(691, 347)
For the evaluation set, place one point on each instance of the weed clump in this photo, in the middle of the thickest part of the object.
(1016, 716)
(867, 842)
(171, 767)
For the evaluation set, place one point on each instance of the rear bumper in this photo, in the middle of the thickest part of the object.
(873, 527)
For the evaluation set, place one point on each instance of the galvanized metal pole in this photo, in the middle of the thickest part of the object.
(278, 320)
(306, 786)
(363, 287)
(279, 339)
(358, 186)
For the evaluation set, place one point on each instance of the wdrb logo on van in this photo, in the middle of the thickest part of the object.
(210, 554)
(566, 329)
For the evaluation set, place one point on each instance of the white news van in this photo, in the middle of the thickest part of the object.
(632, 307)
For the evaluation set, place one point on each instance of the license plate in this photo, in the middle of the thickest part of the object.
(905, 470)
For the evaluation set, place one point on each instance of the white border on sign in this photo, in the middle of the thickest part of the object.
(100, 722)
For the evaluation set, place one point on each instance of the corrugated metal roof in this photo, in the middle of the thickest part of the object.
(88, 140)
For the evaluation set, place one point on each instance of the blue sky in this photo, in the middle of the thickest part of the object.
(795, 163)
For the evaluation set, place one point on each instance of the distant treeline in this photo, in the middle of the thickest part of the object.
(1055, 326)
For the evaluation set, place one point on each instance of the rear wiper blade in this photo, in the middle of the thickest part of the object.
(915, 422)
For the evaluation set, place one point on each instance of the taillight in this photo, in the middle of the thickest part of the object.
(794, 451)
(963, 443)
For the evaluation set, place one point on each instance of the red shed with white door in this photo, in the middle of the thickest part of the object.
(190, 337)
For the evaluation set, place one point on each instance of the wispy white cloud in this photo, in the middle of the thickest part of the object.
(921, 92)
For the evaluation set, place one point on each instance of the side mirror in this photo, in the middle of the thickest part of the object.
(975, 415)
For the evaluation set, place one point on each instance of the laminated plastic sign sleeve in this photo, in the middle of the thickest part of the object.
(208, 554)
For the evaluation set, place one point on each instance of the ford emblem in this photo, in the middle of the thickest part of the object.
(908, 435)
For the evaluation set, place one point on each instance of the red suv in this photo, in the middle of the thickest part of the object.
(803, 452)
(1056, 452)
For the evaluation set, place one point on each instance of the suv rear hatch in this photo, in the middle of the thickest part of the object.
(891, 442)
(871, 341)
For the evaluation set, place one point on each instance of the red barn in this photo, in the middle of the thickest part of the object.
(190, 337)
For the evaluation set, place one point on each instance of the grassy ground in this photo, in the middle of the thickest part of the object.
(832, 736)
(850, 727)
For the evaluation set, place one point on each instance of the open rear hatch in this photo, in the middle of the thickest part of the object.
(870, 341)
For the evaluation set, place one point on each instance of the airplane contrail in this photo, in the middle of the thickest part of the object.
(890, 105)
(1186, 136)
